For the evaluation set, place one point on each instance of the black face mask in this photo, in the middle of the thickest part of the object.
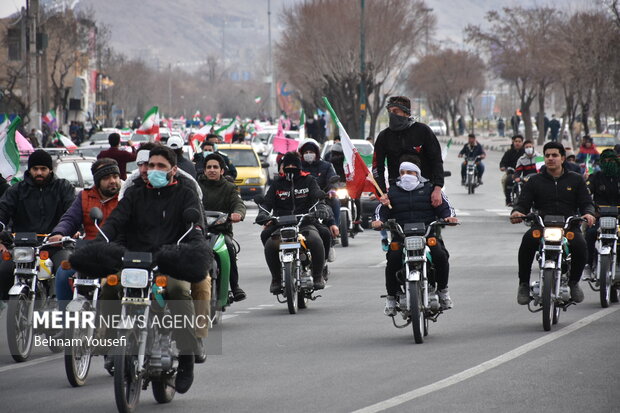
(398, 123)
(291, 173)
(337, 156)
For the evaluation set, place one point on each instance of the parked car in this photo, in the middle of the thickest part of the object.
(604, 141)
(101, 136)
(438, 127)
(251, 177)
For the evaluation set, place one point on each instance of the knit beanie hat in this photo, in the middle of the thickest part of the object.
(40, 158)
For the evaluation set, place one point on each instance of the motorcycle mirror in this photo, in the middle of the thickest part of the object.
(259, 199)
(95, 214)
(191, 215)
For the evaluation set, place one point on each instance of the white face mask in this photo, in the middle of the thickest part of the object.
(529, 151)
(408, 182)
(309, 157)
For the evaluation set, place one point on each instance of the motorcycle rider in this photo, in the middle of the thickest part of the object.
(294, 192)
(103, 195)
(148, 217)
(472, 149)
(509, 160)
(175, 142)
(554, 191)
(210, 146)
(410, 198)
(604, 186)
(222, 195)
(35, 204)
(336, 157)
(406, 136)
(526, 164)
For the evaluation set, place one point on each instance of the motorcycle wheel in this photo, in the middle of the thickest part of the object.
(416, 311)
(344, 229)
(127, 377)
(547, 303)
(290, 289)
(163, 388)
(77, 358)
(18, 328)
(604, 280)
(470, 187)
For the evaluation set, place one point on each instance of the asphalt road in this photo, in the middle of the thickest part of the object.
(487, 354)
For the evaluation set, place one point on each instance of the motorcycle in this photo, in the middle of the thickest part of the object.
(604, 278)
(516, 186)
(471, 173)
(551, 292)
(295, 257)
(420, 303)
(347, 215)
(221, 296)
(33, 290)
(148, 354)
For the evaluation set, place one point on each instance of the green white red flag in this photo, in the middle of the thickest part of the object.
(61, 140)
(150, 123)
(355, 169)
(9, 154)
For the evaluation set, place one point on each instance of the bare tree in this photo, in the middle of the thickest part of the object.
(445, 78)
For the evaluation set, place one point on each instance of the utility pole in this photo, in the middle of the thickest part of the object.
(362, 73)
(32, 13)
(272, 86)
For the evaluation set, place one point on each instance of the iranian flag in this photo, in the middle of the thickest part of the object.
(150, 123)
(227, 131)
(540, 161)
(9, 154)
(61, 140)
(199, 137)
(50, 119)
(355, 169)
(302, 125)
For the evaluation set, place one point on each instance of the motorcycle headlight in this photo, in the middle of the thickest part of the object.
(607, 222)
(253, 181)
(415, 243)
(553, 234)
(342, 193)
(23, 254)
(134, 278)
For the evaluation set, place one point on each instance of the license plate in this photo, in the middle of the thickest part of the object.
(287, 258)
(290, 246)
(85, 281)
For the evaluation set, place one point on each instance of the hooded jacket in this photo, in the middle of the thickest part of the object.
(413, 206)
(604, 189)
(567, 195)
(510, 158)
(319, 169)
(33, 208)
(222, 195)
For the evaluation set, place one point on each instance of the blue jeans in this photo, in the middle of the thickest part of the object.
(64, 293)
(335, 204)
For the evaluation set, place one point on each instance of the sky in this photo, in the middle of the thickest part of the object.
(8, 7)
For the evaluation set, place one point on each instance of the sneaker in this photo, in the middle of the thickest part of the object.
(587, 273)
(238, 294)
(319, 283)
(201, 352)
(185, 373)
(276, 287)
(523, 294)
(357, 226)
(385, 245)
(479, 181)
(332, 255)
(463, 182)
(444, 299)
(576, 293)
(390, 306)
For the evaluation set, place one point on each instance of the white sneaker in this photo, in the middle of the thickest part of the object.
(587, 273)
(390, 306)
(444, 299)
(332, 255)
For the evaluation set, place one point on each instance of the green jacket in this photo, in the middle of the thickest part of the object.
(223, 196)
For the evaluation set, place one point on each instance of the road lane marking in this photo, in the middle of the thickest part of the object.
(227, 316)
(242, 312)
(266, 305)
(255, 308)
(487, 365)
(31, 363)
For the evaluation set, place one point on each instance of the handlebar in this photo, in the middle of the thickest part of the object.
(392, 225)
(63, 240)
(534, 217)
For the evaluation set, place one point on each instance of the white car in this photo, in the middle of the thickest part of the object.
(438, 127)
(364, 147)
(260, 142)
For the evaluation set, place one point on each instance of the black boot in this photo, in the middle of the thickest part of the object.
(201, 352)
(276, 286)
(319, 282)
(185, 373)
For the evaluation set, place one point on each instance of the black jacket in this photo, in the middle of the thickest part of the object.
(413, 206)
(566, 195)
(321, 171)
(510, 158)
(148, 218)
(418, 140)
(34, 208)
(186, 165)
(604, 189)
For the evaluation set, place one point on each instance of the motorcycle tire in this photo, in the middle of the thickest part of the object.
(290, 289)
(19, 331)
(604, 280)
(163, 388)
(344, 229)
(471, 188)
(78, 358)
(127, 386)
(547, 301)
(416, 311)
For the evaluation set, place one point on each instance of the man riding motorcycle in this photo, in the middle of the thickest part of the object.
(294, 192)
(604, 186)
(509, 160)
(526, 164)
(222, 195)
(554, 191)
(147, 218)
(410, 198)
(472, 149)
(35, 204)
(103, 195)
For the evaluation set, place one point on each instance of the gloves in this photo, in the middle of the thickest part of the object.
(322, 212)
(6, 238)
(262, 218)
